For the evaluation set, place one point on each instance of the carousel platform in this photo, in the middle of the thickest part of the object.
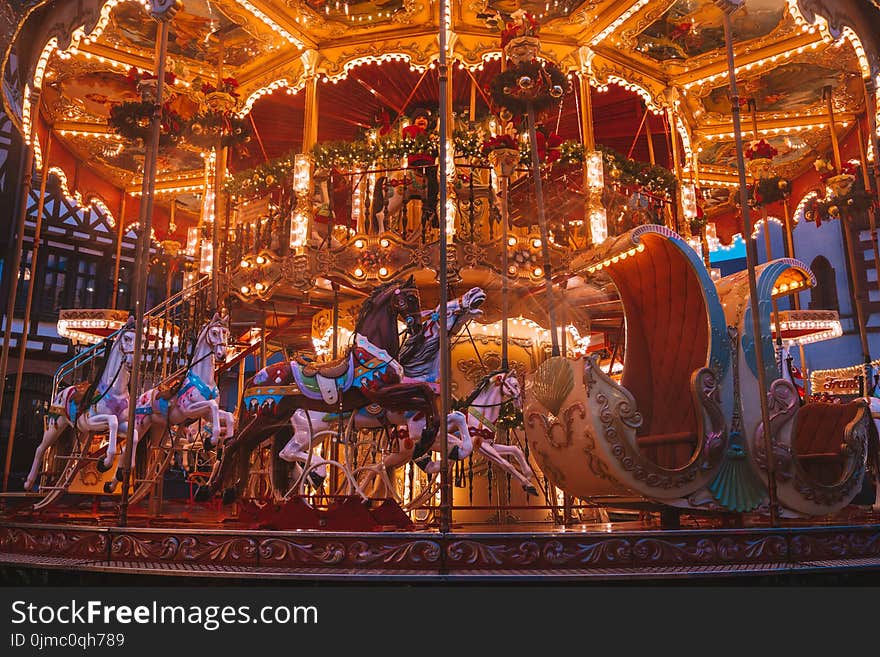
(208, 543)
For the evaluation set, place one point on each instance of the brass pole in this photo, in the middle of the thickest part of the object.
(505, 303)
(768, 248)
(751, 260)
(545, 233)
(850, 243)
(14, 271)
(443, 79)
(120, 233)
(678, 219)
(588, 135)
(219, 211)
(650, 137)
(26, 319)
(142, 259)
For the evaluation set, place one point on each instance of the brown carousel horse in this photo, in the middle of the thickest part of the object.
(369, 373)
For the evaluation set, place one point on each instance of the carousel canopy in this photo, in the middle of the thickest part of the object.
(655, 67)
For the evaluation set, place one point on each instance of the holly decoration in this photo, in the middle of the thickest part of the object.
(760, 149)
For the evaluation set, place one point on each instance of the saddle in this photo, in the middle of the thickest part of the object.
(324, 380)
(167, 389)
(330, 370)
(79, 393)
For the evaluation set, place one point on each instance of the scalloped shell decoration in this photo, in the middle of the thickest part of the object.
(552, 383)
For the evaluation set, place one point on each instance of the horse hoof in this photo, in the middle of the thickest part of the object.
(316, 479)
(100, 467)
(229, 496)
(109, 487)
(530, 490)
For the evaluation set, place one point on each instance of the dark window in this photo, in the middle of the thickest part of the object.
(24, 281)
(86, 284)
(824, 295)
(55, 279)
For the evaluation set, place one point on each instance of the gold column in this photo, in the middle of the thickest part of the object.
(850, 242)
(26, 319)
(120, 233)
(163, 12)
(15, 266)
(679, 223)
(728, 8)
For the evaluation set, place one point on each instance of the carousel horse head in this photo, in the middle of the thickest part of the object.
(472, 300)
(125, 340)
(400, 298)
(216, 336)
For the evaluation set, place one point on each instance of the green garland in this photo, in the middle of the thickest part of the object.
(626, 171)
(347, 155)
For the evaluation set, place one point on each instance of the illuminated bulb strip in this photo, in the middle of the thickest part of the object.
(785, 288)
(99, 132)
(613, 260)
(758, 224)
(775, 131)
(135, 226)
(637, 89)
(617, 22)
(685, 138)
(195, 187)
(268, 21)
(371, 59)
(268, 89)
(799, 210)
(820, 23)
(76, 198)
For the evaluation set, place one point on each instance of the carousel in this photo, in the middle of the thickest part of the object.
(431, 290)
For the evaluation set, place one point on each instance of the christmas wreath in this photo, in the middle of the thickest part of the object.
(131, 121)
(767, 191)
(535, 83)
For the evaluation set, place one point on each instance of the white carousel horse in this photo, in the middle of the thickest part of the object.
(484, 406)
(193, 397)
(391, 195)
(420, 359)
(93, 407)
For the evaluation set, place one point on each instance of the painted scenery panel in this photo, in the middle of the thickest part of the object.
(791, 87)
(694, 27)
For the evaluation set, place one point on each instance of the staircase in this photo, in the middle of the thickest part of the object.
(173, 328)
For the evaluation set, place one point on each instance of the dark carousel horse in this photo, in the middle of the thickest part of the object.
(369, 373)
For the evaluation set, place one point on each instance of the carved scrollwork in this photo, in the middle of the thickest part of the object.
(282, 549)
(783, 403)
(296, 271)
(707, 396)
(552, 425)
(417, 552)
(474, 553)
(68, 543)
(213, 549)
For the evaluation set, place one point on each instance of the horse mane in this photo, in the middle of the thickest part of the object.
(109, 343)
(367, 305)
(465, 403)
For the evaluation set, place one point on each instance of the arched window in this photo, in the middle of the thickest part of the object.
(824, 295)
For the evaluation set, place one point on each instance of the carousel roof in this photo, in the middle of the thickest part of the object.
(663, 54)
